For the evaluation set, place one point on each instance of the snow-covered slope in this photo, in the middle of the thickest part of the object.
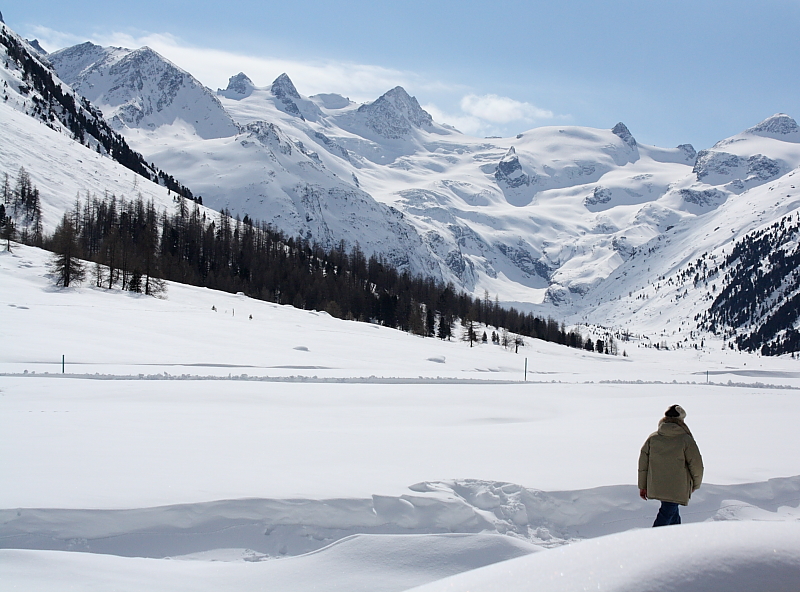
(669, 284)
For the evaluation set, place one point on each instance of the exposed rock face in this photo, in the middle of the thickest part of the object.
(269, 135)
(521, 256)
(395, 114)
(714, 167)
(509, 171)
(333, 147)
(599, 196)
(689, 151)
(761, 168)
(283, 88)
(239, 87)
(624, 134)
(703, 198)
(35, 45)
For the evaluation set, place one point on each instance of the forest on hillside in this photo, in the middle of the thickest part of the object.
(132, 245)
(758, 304)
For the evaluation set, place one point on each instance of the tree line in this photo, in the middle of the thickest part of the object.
(132, 245)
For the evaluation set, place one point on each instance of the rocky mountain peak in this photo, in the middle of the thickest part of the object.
(239, 87)
(622, 131)
(779, 126)
(395, 113)
(509, 171)
(35, 45)
(284, 88)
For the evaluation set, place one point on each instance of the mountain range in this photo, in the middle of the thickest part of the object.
(586, 224)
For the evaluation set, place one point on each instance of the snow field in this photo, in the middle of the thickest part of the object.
(154, 445)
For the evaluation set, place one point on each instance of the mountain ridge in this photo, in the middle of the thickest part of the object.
(548, 219)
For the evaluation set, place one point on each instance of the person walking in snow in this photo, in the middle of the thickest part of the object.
(670, 466)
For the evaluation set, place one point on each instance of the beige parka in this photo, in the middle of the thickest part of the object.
(670, 465)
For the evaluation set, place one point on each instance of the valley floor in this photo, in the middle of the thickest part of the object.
(292, 450)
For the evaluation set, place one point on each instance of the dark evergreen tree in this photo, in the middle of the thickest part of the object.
(430, 322)
(65, 265)
(445, 326)
(469, 332)
(7, 230)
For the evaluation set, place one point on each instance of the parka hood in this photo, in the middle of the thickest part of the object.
(672, 426)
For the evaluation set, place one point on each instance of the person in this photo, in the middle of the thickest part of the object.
(670, 466)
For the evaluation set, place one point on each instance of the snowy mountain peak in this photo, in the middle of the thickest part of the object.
(73, 62)
(283, 87)
(780, 126)
(624, 134)
(141, 89)
(395, 113)
(239, 87)
(331, 100)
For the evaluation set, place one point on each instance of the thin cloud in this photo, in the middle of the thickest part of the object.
(491, 115)
(467, 124)
(502, 110)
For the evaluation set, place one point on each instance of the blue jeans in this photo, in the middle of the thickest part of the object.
(667, 514)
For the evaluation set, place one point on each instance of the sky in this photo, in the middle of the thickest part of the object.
(674, 72)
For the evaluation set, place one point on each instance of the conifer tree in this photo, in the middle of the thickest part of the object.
(65, 265)
(7, 230)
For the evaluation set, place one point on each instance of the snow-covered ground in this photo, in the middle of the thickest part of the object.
(295, 451)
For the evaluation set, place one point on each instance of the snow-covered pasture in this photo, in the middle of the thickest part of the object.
(363, 457)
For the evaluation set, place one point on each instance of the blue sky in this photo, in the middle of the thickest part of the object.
(673, 71)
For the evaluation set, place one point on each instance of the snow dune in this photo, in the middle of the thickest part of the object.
(360, 563)
(708, 557)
